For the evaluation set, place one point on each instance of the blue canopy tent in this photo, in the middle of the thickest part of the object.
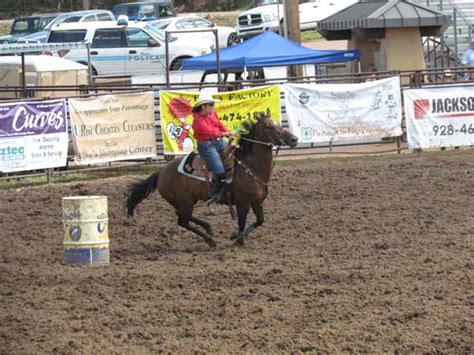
(266, 50)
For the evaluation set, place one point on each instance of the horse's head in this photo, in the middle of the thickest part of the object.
(266, 130)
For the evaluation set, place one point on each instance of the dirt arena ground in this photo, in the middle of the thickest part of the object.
(364, 254)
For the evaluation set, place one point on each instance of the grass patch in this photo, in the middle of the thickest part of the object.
(229, 21)
(4, 28)
(310, 36)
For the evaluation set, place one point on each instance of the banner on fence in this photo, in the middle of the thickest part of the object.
(235, 107)
(33, 135)
(439, 117)
(113, 127)
(341, 112)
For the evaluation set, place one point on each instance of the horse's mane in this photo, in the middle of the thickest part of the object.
(245, 147)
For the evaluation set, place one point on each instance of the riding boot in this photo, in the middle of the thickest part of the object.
(215, 191)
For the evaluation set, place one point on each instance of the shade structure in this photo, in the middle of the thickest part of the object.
(266, 50)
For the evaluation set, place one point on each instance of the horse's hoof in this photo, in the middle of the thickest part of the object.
(234, 236)
(211, 243)
(240, 242)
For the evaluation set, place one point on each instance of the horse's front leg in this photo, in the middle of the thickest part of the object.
(257, 208)
(242, 211)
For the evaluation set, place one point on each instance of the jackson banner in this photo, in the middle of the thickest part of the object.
(33, 135)
(234, 107)
(439, 117)
(344, 112)
(113, 127)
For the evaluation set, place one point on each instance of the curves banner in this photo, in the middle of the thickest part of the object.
(234, 108)
(439, 117)
(344, 112)
(113, 127)
(33, 135)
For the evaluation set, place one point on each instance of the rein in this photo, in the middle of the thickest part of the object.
(251, 173)
(248, 170)
(258, 142)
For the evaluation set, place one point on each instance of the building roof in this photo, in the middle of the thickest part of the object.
(377, 14)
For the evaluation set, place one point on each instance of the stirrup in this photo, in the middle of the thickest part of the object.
(211, 204)
(212, 201)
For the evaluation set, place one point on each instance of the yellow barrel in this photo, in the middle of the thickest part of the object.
(86, 230)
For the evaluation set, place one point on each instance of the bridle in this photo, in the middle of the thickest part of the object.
(280, 141)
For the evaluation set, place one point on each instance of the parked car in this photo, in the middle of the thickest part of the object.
(26, 25)
(76, 16)
(227, 35)
(269, 16)
(118, 50)
(145, 10)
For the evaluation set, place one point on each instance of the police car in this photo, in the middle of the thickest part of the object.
(126, 48)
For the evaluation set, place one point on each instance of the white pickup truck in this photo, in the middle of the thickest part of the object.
(269, 15)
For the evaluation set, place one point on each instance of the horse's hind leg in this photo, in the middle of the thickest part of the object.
(203, 224)
(184, 216)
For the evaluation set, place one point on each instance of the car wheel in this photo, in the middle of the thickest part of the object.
(93, 70)
(176, 64)
(233, 39)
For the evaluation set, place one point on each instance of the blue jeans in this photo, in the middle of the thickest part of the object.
(210, 152)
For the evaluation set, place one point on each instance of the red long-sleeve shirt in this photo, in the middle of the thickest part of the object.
(207, 127)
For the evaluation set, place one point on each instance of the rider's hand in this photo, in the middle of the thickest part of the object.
(229, 134)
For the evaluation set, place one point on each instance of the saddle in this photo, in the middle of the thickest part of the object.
(193, 166)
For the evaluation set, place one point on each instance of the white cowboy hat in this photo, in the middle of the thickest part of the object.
(205, 98)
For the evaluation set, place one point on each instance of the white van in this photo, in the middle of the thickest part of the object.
(269, 15)
(124, 50)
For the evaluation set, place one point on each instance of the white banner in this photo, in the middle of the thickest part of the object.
(113, 127)
(33, 135)
(344, 112)
(439, 117)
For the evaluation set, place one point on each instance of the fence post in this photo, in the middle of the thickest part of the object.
(399, 151)
(49, 175)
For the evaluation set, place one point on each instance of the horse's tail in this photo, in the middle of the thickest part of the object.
(139, 191)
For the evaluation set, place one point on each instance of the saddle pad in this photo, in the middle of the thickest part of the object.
(188, 168)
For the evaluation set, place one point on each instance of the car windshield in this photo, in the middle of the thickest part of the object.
(161, 24)
(26, 25)
(56, 21)
(67, 36)
(157, 32)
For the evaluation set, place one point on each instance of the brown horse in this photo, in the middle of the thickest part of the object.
(248, 189)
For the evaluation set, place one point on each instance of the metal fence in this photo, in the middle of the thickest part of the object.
(409, 79)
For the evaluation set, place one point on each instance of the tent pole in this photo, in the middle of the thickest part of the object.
(167, 54)
(23, 75)
(358, 66)
(245, 73)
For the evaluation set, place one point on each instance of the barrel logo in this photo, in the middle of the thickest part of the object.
(75, 233)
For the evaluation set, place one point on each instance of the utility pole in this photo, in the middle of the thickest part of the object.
(85, 4)
(292, 30)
